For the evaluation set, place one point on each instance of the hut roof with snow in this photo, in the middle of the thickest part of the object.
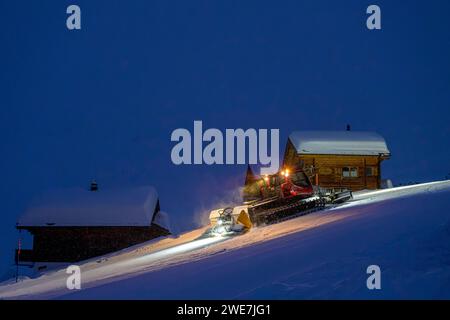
(79, 207)
(339, 143)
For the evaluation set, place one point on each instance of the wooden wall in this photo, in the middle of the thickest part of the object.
(329, 170)
(71, 244)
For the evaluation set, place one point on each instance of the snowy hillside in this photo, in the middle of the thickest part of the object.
(324, 255)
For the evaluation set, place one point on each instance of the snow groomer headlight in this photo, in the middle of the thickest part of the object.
(220, 230)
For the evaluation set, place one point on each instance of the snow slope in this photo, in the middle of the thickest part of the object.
(324, 255)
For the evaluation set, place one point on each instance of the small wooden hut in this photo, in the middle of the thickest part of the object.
(338, 159)
(77, 224)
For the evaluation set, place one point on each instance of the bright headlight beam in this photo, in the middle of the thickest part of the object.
(182, 248)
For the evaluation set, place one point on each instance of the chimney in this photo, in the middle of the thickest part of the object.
(94, 186)
(348, 128)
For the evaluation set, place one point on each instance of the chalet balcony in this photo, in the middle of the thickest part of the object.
(26, 255)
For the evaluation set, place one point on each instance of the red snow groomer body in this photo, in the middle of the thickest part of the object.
(274, 197)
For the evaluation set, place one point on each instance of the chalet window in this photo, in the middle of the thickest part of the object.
(346, 172)
(370, 171)
(349, 172)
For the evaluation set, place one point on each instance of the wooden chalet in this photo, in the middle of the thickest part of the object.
(338, 159)
(76, 224)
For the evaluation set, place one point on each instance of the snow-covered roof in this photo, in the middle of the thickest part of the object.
(79, 207)
(339, 142)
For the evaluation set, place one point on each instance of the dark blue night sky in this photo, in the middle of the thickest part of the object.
(102, 102)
